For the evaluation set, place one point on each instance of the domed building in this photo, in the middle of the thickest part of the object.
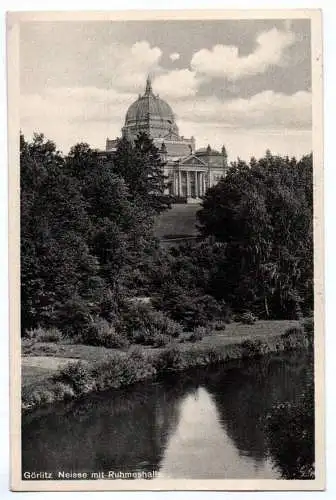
(189, 171)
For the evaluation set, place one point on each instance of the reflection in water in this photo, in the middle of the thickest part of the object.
(200, 449)
(202, 424)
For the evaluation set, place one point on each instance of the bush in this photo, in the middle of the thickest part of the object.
(150, 337)
(120, 371)
(169, 360)
(219, 325)
(145, 325)
(78, 376)
(40, 334)
(253, 348)
(294, 331)
(73, 317)
(102, 333)
(198, 334)
(189, 310)
(247, 318)
(294, 338)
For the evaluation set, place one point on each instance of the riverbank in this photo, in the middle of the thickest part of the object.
(56, 372)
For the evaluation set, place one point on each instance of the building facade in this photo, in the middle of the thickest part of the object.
(189, 171)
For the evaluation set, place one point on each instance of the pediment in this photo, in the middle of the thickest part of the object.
(194, 161)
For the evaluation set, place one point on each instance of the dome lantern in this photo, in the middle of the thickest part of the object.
(148, 90)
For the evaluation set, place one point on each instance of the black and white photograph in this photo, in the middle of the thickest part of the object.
(167, 320)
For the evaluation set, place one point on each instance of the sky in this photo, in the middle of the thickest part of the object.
(242, 83)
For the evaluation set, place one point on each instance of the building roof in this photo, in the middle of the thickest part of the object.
(150, 114)
(208, 151)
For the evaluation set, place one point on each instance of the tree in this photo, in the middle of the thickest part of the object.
(263, 214)
(141, 167)
(56, 263)
(122, 236)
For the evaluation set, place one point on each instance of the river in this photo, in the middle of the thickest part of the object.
(201, 424)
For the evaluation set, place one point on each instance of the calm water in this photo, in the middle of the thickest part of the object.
(201, 424)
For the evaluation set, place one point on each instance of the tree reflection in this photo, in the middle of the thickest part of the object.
(246, 393)
(127, 431)
(265, 407)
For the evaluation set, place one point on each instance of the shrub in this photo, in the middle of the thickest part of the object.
(169, 360)
(161, 340)
(118, 371)
(198, 334)
(40, 334)
(73, 317)
(150, 337)
(189, 310)
(63, 391)
(102, 333)
(294, 331)
(219, 325)
(294, 338)
(252, 348)
(145, 325)
(78, 376)
(247, 318)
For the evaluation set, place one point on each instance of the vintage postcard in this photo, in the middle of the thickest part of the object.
(166, 250)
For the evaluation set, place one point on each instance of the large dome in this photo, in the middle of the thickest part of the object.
(150, 114)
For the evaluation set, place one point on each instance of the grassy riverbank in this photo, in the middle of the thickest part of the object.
(56, 372)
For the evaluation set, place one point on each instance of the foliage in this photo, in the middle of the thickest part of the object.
(290, 431)
(198, 334)
(44, 335)
(191, 310)
(262, 213)
(56, 263)
(86, 241)
(87, 245)
(247, 318)
(78, 376)
(141, 167)
(169, 360)
(252, 348)
(102, 333)
(145, 325)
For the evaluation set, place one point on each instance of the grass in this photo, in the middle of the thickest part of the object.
(179, 220)
(74, 370)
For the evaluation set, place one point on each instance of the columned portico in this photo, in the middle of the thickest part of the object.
(189, 183)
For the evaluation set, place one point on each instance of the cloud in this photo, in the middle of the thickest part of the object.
(247, 142)
(225, 61)
(267, 109)
(177, 83)
(129, 66)
(70, 115)
(174, 56)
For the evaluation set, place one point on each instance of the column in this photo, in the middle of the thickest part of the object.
(198, 185)
(179, 183)
(188, 183)
(204, 186)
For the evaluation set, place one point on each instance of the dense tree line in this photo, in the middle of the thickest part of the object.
(86, 230)
(257, 248)
(87, 239)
